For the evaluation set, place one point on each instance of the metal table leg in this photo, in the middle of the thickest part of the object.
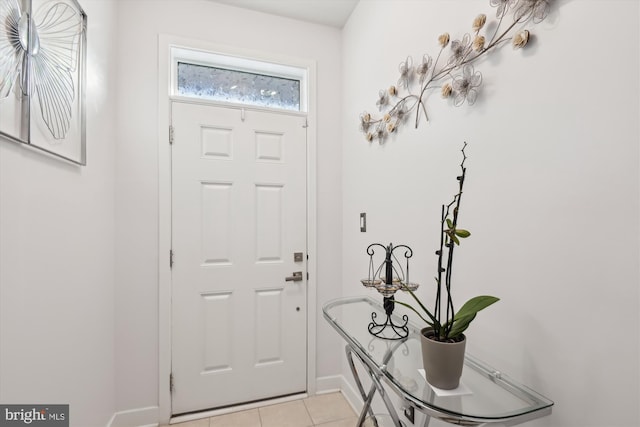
(367, 398)
(377, 385)
(385, 398)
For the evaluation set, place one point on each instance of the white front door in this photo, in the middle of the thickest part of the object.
(238, 217)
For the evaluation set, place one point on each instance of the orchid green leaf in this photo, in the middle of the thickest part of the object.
(474, 305)
(463, 233)
(460, 325)
(415, 311)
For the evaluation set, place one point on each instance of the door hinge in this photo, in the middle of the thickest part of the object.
(170, 134)
(171, 385)
(307, 275)
(171, 258)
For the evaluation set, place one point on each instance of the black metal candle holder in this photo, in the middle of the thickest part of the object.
(388, 278)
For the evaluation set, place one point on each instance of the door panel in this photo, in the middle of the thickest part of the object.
(238, 215)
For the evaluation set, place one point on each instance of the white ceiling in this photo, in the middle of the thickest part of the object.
(326, 12)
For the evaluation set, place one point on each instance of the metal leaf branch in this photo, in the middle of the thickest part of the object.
(455, 76)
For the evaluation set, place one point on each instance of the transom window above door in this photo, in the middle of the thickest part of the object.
(228, 79)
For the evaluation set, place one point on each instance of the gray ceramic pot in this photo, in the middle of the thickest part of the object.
(442, 361)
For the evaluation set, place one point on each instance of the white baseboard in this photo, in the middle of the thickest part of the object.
(351, 395)
(141, 417)
(329, 384)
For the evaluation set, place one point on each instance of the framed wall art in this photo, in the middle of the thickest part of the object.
(42, 76)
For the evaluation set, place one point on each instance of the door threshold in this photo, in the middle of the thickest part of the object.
(235, 408)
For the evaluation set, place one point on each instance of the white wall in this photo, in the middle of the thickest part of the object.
(140, 23)
(57, 257)
(551, 196)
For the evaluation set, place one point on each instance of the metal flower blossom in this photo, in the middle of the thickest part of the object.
(380, 131)
(405, 72)
(424, 68)
(460, 49)
(53, 37)
(538, 9)
(452, 74)
(503, 6)
(382, 99)
(399, 111)
(365, 121)
(464, 86)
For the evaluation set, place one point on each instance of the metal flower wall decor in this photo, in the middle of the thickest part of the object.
(42, 75)
(452, 72)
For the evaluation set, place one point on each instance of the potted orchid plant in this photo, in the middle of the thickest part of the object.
(443, 339)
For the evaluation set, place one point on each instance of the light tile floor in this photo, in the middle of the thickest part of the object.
(325, 410)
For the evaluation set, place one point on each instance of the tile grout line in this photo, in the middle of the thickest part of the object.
(304, 402)
(260, 416)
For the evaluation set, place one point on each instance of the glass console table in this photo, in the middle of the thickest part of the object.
(491, 397)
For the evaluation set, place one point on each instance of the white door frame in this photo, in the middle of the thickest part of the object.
(165, 42)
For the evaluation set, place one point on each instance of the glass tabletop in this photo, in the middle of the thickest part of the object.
(488, 394)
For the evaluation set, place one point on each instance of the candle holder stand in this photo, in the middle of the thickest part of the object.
(388, 278)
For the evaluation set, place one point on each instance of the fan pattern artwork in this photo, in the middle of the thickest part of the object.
(42, 68)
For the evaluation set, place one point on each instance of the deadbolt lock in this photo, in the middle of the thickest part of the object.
(298, 257)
